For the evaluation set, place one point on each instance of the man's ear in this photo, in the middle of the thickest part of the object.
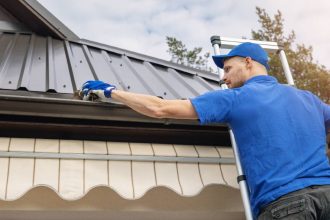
(248, 61)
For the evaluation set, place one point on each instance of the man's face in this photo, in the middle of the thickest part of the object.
(235, 72)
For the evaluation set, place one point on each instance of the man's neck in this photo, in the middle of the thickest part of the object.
(257, 74)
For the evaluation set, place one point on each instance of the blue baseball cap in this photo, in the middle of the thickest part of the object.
(255, 51)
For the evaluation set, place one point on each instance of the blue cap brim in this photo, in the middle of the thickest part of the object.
(219, 60)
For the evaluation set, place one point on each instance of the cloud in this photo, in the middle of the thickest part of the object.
(143, 25)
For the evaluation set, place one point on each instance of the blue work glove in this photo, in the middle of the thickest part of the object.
(99, 88)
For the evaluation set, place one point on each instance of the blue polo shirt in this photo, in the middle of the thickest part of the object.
(280, 133)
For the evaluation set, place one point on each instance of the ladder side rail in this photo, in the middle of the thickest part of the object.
(241, 179)
(286, 67)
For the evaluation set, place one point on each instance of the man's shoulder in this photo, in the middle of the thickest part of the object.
(297, 91)
(308, 94)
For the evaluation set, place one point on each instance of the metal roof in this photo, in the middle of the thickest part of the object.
(44, 64)
(36, 61)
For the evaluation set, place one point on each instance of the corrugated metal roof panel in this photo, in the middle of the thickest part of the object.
(60, 77)
(172, 79)
(151, 60)
(12, 61)
(36, 63)
(33, 74)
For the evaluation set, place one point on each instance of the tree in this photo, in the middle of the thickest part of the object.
(181, 55)
(307, 73)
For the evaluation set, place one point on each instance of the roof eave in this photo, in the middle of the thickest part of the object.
(38, 19)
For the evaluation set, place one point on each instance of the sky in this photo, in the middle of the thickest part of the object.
(142, 25)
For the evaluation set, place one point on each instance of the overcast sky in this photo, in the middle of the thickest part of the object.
(142, 25)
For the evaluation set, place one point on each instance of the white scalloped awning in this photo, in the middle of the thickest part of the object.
(71, 177)
(115, 180)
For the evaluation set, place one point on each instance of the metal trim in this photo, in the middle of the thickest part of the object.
(43, 15)
(119, 157)
(229, 43)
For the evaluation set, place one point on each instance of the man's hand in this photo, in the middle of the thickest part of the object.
(97, 88)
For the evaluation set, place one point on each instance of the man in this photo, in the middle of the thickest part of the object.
(280, 132)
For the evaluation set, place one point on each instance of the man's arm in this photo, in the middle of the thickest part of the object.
(153, 106)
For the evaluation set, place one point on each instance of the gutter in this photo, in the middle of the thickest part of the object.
(52, 115)
(64, 106)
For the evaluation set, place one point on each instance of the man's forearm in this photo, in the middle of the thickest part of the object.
(156, 107)
(144, 104)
